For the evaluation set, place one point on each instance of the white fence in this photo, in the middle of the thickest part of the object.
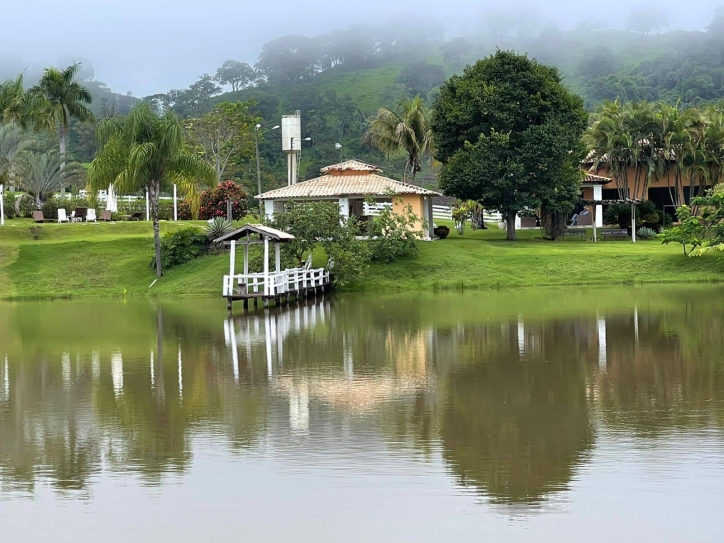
(438, 212)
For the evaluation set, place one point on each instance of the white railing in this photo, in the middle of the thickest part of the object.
(280, 283)
(376, 208)
(442, 212)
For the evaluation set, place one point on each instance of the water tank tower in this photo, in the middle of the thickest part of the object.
(292, 143)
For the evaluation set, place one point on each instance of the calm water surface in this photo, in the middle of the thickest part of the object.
(537, 415)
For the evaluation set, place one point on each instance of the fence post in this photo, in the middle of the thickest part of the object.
(175, 206)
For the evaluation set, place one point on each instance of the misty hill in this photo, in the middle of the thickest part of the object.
(338, 80)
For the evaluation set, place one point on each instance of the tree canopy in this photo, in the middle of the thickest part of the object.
(508, 134)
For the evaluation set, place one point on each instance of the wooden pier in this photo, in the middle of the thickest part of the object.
(279, 285)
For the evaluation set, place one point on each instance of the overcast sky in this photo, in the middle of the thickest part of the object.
(150, 46)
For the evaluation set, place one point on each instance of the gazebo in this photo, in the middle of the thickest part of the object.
(351, 183)
(598, 214)
(278, 284)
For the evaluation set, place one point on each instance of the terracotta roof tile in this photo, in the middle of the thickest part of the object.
(354, 165)
(329, 186)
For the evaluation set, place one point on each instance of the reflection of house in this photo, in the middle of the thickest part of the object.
(351, 183)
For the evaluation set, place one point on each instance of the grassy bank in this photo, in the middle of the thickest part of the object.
(113, 260)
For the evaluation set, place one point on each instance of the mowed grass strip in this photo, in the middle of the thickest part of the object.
(113, 260)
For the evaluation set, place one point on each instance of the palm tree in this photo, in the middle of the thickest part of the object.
(14, 102)
(144, 151)
(42, 174)
(404, 131)
(12, 142)
(57, 99)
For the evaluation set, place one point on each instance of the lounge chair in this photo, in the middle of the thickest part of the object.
(91, 215)
(106, 216)
(62, 215)
(80, 213)
(38, 217)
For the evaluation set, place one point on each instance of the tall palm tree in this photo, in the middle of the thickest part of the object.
(42, 174)
(144, 151)
(57, 99)
(404, 131)
(12, 142)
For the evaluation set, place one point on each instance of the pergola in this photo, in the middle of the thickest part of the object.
(627, 201)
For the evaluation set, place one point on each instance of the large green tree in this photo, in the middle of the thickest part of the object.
(224, 136)
(509, 135)
(144, 151)
(12, 142)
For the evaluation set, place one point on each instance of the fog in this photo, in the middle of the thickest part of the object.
(150, 46)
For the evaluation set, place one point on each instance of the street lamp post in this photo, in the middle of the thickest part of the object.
(258, 166)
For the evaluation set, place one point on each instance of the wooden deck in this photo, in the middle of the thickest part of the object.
(280, 287)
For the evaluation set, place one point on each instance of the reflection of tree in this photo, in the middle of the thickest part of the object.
(516, 427)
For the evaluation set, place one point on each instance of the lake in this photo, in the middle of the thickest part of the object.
(533, 415)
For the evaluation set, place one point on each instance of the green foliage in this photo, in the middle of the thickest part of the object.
(404, 131)
(50, 209)
(219, 226)
(505, 131)
(25, 205)
(313, 223)
(213, 201)
(9, 204)
(43, 174)
(395, 234)
(646, 233)
(700, 232)
(183, 210)
(181, 247)
(144, 151)
(223, 137)
(646, 216)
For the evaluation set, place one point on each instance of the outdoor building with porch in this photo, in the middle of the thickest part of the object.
(352, 183)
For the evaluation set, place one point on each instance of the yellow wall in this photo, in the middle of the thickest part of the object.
(415, 201)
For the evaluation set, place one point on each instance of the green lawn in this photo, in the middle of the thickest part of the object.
(113, 260)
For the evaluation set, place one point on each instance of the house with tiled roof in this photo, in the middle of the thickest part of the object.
(351, 183)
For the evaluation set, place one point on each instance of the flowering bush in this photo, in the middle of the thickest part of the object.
(213, 201)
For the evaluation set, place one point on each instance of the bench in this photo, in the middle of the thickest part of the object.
(620, 233)
(574, 232)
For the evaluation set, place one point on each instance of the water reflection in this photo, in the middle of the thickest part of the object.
(512, 399)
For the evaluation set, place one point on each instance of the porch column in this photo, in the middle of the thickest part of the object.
(277, 257)
(232, 268)
(269, 209)
(428, 213)
(344, 208)
(598, 195)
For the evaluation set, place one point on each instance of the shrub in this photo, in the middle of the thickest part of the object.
(395, 234)
(182, 246)
(318, 222)
(50, 209)
(25, 205)
(442, 232)
(218, 227)
(9, 204)
(646, 233)
(184, 210)
(646, 215)
(213, 201)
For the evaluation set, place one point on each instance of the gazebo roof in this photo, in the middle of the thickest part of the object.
(264, 231)
(350, 178)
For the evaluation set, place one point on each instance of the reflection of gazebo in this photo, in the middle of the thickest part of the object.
(597, 209)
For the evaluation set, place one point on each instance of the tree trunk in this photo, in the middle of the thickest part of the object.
(154, 193)
(510, 220)
(61, 139)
